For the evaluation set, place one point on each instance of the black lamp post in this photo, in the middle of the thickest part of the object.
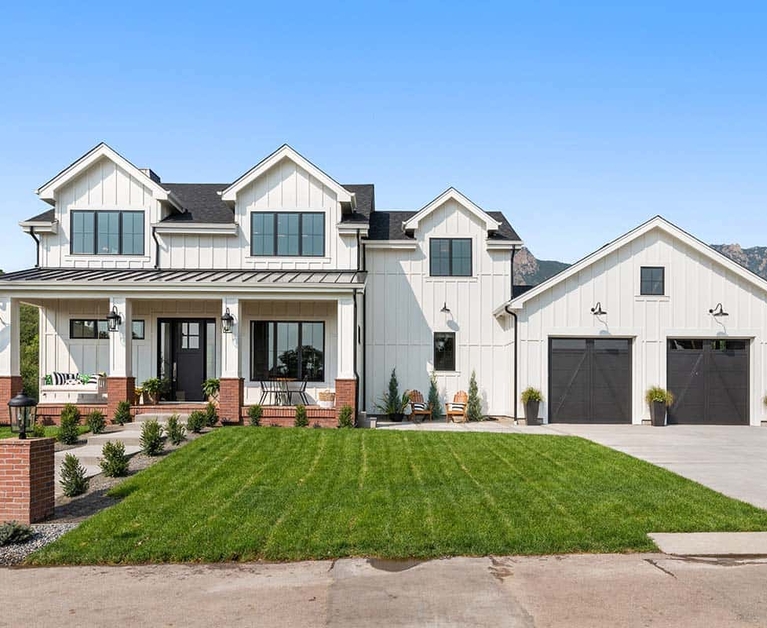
(113, 319)
(23, 410)
(227, 320)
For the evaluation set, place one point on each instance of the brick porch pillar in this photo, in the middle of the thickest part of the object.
(346, 394)
(26, 479)
(230, 399)
(10, 386)
(119, 389)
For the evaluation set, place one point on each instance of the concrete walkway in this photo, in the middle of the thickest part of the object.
(573, 591)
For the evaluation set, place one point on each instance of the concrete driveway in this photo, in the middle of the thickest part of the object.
(729, 459)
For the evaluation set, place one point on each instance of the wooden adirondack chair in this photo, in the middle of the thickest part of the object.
(456, 411)
(418, 409)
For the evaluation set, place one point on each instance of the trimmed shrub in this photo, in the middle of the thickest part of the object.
(301, 419)
(196, 421)
(96, 421)
(531, 394)
(70, 420)
(433, 399)
(175, 431)
(474, 405)
(73, 479)
(14, 532)
(254, 415)
(114, 463)
(346, 416)
(151, 440)
(122, 414)
(38, 430)
(211, 414)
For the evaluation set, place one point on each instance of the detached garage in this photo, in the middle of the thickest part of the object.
(656, 307)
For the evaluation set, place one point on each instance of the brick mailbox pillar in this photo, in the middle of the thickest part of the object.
(346, 394)
(26, 479)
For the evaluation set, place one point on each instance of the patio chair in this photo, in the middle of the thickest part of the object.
(456, 411)
(268, 388)
(418, 409)
(300, 391)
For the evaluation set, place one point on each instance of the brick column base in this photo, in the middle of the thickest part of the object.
(119, 389)
(231, 395)
(26, 479)
(346, 395)
(10, 386)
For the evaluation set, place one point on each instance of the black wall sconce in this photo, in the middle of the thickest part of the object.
(718, 311)
(113, 319)
(227, 320)
(597, 309)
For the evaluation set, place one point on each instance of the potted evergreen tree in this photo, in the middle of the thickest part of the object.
(531, 399)
(391, 404)
(659, 399)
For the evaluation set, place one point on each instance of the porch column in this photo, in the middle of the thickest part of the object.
(10, 363)
(346, 380)
(121, 384)
(230, 396)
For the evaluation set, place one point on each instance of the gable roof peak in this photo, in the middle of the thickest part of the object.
(451, 193)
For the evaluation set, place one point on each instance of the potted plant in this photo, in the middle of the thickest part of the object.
(658, 399)
(138, 396)
(152, 389)
(390, 403)
(210, 388)
(326, 398)
(531, 399)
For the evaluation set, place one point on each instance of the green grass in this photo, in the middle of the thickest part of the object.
(288, 494)
(50, 430)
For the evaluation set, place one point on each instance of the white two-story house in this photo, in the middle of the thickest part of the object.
(287, 278)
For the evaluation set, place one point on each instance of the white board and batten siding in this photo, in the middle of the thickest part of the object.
(694, 284)
(403, 312)
(286, 186)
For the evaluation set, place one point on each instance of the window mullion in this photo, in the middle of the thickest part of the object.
(300, 240)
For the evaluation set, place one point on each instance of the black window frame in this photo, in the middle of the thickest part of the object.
(275, 217)
(451, 336)
(101, 328)
(450, 273)
(134, 335)
(650, 282)
(96, 213)
(273, 348)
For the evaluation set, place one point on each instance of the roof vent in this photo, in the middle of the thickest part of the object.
(151, 174)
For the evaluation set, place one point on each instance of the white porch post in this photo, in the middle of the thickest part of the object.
(346, 338)
(10, 364)
(120, 341)
(230, 342)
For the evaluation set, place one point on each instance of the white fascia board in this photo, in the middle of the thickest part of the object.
(390, 244)
(658, 222)
(503, 244)
(352, 228)
(39, 226)
(48, 190)
(491, 224)
(230, 194)
(197, 228)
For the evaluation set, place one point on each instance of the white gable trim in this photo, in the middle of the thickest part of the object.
(48, 190)
(285, 151)
(658, 222)
(452, 194)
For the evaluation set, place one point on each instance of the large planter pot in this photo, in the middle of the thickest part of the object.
(531, 412)
(396, 417)
(658, 413)
(151, 399)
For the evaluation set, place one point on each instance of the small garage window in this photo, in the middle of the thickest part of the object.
(653, 280)
(444, 351)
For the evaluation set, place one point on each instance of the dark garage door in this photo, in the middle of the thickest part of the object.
(709, 381)
(590, 380)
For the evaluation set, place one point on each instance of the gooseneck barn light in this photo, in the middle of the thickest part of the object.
(597, 309)
(718, 311)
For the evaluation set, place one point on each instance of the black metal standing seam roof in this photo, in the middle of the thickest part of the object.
(186, 277)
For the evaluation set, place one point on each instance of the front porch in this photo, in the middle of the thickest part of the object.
(184, 337)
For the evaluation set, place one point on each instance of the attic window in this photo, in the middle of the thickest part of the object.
(450, 257)
(652, 281)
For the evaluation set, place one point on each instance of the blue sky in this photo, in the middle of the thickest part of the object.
(577, 120)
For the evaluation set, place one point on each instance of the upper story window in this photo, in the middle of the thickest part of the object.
(653, 280)
(450, 257)
(107, 233)
(299, 234)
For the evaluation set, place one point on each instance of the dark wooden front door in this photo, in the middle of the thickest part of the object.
(183, 356)
(590, 380)
(709, 381)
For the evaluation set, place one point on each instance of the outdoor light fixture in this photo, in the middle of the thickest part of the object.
(597, 309)
(23, 410)
(445, 309)
(113, 319)
(227, 320)
(718, 311)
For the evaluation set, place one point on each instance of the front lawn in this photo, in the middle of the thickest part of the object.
(289, 494)
(50, 430)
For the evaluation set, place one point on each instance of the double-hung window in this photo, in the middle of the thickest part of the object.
(450, 257)
(107, 233)
(295, 350)
(294, 234)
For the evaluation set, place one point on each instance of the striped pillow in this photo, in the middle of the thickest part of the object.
(59, 379)
(457, 406)
(419, 406)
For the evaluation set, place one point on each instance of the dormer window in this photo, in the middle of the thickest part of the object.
(450, 257)
(287, 234)
(107, 233)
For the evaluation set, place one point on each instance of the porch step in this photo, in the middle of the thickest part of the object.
(161, 418)
(127, 437)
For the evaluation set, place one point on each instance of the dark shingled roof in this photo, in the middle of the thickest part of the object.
(386, 225)
(47, 216)
(201, 201)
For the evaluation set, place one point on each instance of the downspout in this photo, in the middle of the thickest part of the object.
(156, 248)
(356, 347)
(363, 253)
(516, 342)
(37, 243)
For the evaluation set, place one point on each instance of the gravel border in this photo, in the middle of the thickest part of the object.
(45, 533)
